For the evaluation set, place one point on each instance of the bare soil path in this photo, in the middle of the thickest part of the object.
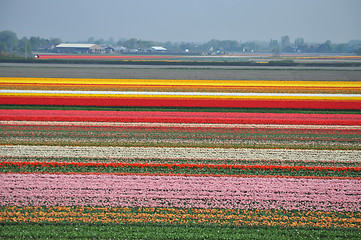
(179, 72)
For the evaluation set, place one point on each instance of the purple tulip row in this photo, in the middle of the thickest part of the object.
(180, 191)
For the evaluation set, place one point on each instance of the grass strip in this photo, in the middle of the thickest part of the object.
(120, 231)
(186, 63)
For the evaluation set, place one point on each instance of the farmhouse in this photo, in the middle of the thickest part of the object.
(77, 48)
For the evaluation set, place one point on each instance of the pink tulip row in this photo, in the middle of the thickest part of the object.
(180, 191)
(179, 117)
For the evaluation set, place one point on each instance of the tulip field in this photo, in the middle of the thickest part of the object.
(179, 159)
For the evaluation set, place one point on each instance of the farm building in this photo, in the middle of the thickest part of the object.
(109, 49)
(157, 49)
(77, 48)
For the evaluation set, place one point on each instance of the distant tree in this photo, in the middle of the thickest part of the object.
(213, 44)
(312, 48)
(324, 47)
(285, 42)
(172, 46)
(132, 43)
(55, 41)
(24, 45)
(111, 41)
(3, 47)
(183, 46)
(28, 47)
(222, 45)
(300, 45)
(231, 46)
(35, 42)
(146, 44)
(299, 42)
(119, 43)
(354, 43)
(274, 47)
(9, 38)
(91, 40)
(253, 45)
(273, 44)
(341, 47)
(100, 41)
(358, 51)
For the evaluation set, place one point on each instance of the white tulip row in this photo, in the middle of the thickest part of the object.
(181, 153)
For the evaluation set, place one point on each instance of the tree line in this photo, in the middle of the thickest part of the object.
(227, 46)
(9, 42)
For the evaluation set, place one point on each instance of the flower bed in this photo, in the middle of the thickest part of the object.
(234, 164)
(180, 192)
(179, 169)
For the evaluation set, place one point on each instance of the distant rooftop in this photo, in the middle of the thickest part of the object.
(158, 48)
(75, 45)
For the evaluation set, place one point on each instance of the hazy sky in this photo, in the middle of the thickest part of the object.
(184, 20)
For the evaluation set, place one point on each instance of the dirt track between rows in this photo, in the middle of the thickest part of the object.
(178, 72)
